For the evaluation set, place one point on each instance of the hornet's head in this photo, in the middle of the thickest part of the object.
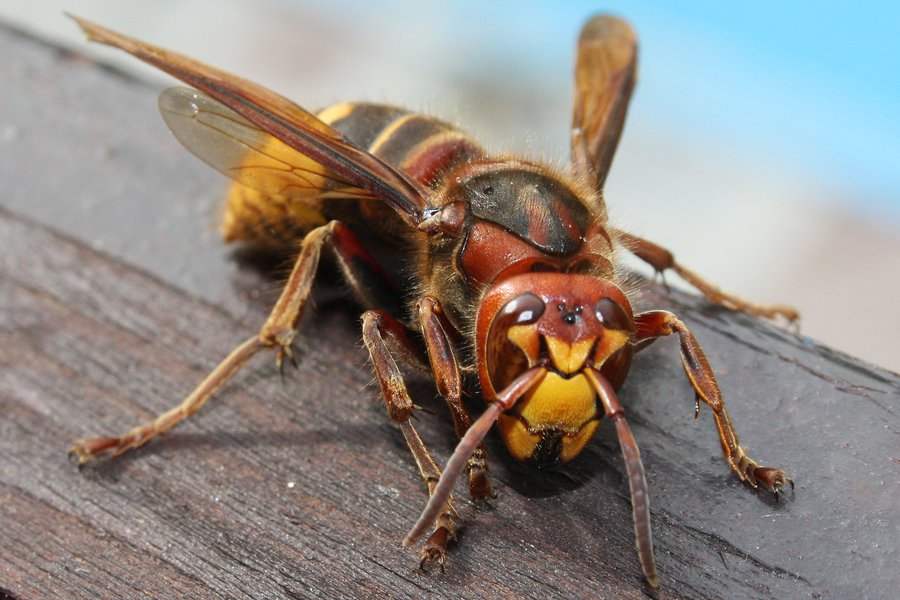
(565, 323)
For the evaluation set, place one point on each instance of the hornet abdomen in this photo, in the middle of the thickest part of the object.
(424, 147)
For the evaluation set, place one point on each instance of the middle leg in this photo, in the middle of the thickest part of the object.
(381, 334)
(386, 337)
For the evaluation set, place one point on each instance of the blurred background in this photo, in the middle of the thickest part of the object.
(761, 145)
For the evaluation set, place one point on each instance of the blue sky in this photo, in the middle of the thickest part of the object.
(824, 80)
(817, 84)
(811, 88)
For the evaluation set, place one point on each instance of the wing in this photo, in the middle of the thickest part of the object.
(239, 149)
(604, 79)
(283, 120)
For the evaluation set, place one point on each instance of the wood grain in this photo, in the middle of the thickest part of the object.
(115, 299)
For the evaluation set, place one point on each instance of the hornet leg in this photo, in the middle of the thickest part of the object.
(277, 333)
(382, 334)
(662, 260)
(658, 323)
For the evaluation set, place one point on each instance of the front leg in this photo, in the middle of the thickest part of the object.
(662, 260)
(656, 323)
(436, 331)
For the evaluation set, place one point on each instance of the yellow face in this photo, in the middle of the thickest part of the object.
(555, 420)
(566, 334)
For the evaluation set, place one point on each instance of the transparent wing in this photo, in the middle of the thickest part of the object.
(604, 79)
(238, 149)
(282, 119)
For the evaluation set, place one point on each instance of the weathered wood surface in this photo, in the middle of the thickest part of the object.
(116, 298)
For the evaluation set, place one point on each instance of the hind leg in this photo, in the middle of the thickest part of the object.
(277, 333)
(662, 260)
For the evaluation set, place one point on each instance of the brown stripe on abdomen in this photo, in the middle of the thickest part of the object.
(422, 146)
(397, 139)
(360, 121)
(440, 154)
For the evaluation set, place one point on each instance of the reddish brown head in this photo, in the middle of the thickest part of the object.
(565, 323)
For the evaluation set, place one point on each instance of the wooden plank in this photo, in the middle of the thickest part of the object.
(115, 299)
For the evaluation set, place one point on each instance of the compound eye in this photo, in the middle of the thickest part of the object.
(611, 315)
(510, 350)
(521, 310)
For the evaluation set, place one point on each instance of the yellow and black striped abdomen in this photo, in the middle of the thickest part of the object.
(424, 147)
